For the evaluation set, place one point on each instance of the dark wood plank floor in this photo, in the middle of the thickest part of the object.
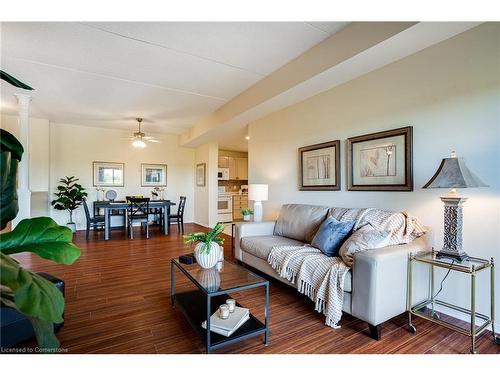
(118, 301)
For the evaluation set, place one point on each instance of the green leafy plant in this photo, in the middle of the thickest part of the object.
(246, 211)
(14, 81)
(70, 195)
(23, 290)
(206, 238)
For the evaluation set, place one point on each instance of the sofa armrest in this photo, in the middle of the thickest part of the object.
(379, 283)
(263, 228)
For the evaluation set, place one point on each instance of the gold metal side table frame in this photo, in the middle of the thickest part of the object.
(471, 267)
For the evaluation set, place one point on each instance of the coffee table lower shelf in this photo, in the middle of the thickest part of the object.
(193, 305)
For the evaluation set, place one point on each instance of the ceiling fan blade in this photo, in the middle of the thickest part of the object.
(148, 137)
(153, 140)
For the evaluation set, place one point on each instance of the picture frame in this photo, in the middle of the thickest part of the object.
(201, 174)
(319, 167)
(153, 175)
(108, 174)
(381, 161)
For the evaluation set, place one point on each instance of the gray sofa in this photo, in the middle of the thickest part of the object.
(375, 288)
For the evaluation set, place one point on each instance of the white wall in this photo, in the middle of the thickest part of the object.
(450, 94)
(74, 148)
(206, 197)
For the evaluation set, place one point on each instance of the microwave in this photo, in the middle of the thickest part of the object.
(223, 174)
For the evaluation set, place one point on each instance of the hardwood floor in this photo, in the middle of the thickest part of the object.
(118, 301)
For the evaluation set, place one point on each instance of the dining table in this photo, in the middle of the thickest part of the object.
(108, 206)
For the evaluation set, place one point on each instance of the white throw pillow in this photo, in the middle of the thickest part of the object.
(365, 238)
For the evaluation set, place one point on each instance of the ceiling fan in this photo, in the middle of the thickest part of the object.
(138, 139)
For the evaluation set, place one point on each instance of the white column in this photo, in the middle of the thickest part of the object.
(23, 183)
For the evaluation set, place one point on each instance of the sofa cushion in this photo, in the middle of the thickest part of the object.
(365, 238)
(260, 246)
(331, 234)
(300, 221)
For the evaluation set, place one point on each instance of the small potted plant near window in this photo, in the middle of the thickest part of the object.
(246, 212)
(208, 251)
(70, 196)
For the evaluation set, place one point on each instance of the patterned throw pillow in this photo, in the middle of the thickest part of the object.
(365, 238)
(331, 234)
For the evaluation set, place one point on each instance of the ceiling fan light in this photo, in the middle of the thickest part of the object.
(138, 143)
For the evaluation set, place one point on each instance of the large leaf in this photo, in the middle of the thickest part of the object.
(44, 331)
(14, 81)
(33, 295)
(9, 143)
(43, 237)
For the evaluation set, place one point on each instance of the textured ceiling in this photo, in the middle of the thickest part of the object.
(172, 74)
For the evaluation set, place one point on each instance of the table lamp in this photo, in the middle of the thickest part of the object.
(257, 193)
(453, 173)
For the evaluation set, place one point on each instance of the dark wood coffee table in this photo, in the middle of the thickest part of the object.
(212, 290)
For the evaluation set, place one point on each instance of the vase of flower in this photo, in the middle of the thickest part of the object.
(246, 212)
(207, 251)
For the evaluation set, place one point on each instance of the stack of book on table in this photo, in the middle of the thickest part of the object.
(227, 327)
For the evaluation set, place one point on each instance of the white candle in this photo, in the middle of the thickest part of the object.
(232, 304)
(224, 311)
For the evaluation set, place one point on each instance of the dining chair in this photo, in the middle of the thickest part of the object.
(138, 210)
(95, 222)
(179, 217)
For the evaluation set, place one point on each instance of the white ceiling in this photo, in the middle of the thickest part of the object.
(172, 74)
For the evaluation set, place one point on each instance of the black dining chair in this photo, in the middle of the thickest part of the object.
(138, 210)
(95, 222)
(179, 217)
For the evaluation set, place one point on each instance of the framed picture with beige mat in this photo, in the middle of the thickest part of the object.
(381, 161)
(320, 166)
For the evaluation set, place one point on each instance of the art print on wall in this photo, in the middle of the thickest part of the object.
(381, 161)
(154, 174)
(320, 166)
(201, 174)
(108, 174)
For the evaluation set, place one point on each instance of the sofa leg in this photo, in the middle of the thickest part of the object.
(375, 331)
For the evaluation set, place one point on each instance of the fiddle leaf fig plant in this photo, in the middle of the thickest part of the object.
(70, 195)
(21, 289)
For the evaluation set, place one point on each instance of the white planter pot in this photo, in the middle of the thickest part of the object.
(71, 226)
(207, 259)
(246, 217)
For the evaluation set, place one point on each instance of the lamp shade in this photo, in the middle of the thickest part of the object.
(258, 192)
(453, 173)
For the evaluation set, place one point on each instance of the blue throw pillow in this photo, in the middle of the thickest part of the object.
(331, 234)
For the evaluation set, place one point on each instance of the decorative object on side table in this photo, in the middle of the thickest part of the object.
(381, 161)
(111, 195)
(246, 212)
(453, 173)
(257, 193)
(208, 251)
(320, 166)
(70, 196)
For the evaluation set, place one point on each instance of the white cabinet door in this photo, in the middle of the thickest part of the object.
(233, 168)
(242, 166)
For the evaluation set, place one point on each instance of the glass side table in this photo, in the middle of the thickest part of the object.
(426, 309)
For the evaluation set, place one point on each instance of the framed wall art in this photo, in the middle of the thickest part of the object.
(201, 170)
(381, 161)
(108, 173)
(320, 166)
(154, 175)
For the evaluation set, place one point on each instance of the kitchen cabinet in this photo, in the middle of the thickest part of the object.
(239, 202)
(238, 167)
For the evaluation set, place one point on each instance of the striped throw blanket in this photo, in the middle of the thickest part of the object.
(316, 275)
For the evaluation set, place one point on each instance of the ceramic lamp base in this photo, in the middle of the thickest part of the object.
(257, 211)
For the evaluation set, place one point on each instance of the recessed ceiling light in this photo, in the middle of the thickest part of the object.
(247, 137)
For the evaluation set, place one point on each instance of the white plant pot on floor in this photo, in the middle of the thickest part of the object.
(207, 259)
(71, 226)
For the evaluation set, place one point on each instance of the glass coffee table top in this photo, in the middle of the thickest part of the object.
(219, 279)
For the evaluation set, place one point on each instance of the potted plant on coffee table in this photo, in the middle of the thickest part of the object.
(208, 250)
(246, 212)
(70, 196)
